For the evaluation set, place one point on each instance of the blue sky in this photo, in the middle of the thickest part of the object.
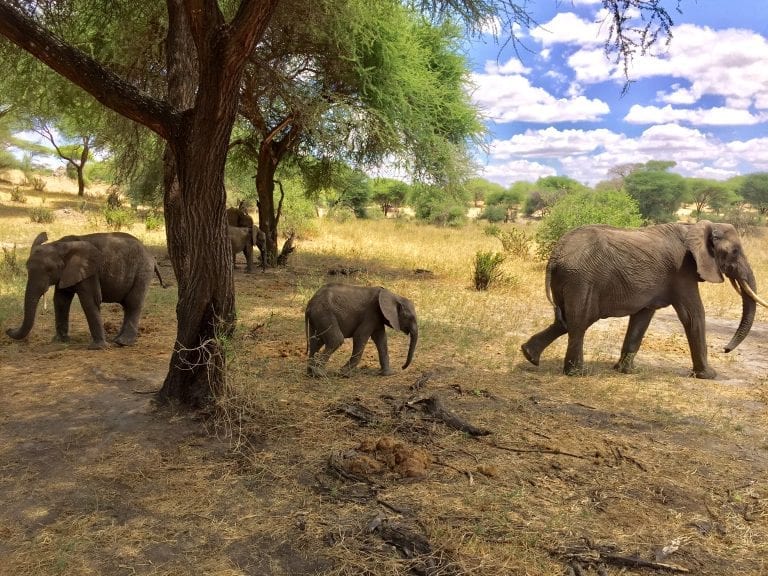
(558, 109)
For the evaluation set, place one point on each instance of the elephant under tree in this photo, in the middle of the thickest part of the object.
(598, 272)
(238, 217)
(100, 267)
(339, 311)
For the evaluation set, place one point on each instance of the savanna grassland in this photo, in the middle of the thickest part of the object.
(653, 472)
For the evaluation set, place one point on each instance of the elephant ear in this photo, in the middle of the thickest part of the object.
(699, 241)
(389, 306)
(81, 260)
(41, 238)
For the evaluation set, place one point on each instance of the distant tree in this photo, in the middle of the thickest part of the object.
(480, 189)
(76, 154)
(659, 193)
(389, 193)
(338, 183)
(438, 206)
(548, 190)
(754, 189)
(612, 207)
(704, 193)
(503, 204)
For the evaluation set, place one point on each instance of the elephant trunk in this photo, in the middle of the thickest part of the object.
(31, 300)
(748, 308)
(412, 346)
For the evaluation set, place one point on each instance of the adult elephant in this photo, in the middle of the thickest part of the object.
(100, 267)
(339, 311)
(599, 272)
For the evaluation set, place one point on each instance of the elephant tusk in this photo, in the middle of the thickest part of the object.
(735, 286)
(748, 291)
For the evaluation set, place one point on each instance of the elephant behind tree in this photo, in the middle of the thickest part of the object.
(339, 311)
(599, 272)
(238, 217)
(100, 267)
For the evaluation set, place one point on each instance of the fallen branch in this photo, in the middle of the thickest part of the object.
(435, 408)
(556, 451)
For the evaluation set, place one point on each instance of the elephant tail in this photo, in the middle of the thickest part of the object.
(559, 317)
(157, 272)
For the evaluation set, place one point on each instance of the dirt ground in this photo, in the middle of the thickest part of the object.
(597, 474)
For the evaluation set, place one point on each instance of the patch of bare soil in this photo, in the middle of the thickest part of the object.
(447, 468)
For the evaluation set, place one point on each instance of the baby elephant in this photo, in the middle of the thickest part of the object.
(339, 311)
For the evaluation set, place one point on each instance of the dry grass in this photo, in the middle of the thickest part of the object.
(102, 483)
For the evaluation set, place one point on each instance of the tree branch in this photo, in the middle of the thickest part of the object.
(100, 82)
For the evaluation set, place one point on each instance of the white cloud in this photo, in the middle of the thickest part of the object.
(587, 155)
(506, 173)
(504, 94)
(568, 28)
(717, 116)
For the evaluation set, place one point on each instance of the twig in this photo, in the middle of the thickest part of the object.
(537, 451)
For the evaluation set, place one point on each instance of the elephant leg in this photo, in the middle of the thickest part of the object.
(691, 315)
(248, 251)
(536, 344)
(380, 339)
(638, 324)
(132, 307)
(62, 301)
(574, 354)
(332, 339)
(359, 340)
(92, 309)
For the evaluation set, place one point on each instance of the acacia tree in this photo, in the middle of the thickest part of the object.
(195, 120)
(206, 48)
(366, 81)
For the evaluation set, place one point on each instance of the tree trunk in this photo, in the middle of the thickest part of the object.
(265, 187)
(199, 248)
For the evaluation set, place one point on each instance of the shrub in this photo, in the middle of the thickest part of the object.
(494, 213)
(41, 215)
(341, 213)
(576, 209)
(118, 218)
(514, 241)
(9, 265)
(487, 269)
(38, 184)
(18, 195)
(154, 220)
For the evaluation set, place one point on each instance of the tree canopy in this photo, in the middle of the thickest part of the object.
(658, 193)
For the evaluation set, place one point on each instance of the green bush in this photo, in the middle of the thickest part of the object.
(514, 241)
(38, 184)
(576, 209)
(41, 215)
(154, 220)
(119, 218)
(9, 266)
(494, 213)
(487, 269)
(18, 195)
(340, 213)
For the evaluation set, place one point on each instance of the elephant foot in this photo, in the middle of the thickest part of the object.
(60, 338)
(625, 365)
(346, 371)
(124, 340)
(98, 345)
(386, 372)
(315, 372)
(529, 355)
(573, 370)
(706, 374)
